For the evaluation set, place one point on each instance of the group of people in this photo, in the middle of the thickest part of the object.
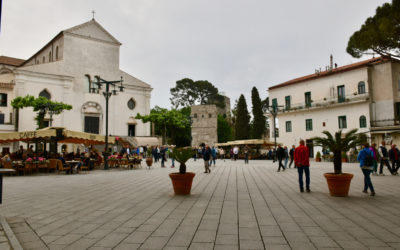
(283, 155)
(368, 157)
(299, 157)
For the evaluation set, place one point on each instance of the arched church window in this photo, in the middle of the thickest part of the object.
(50, 56)
(45, 94)
(57, 53)
(44, 59)
(131, 104)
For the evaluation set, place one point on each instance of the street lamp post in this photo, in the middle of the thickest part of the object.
(107, 94)
(51, 109)
(273, 110)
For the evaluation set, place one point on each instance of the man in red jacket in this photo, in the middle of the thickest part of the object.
(301, 161)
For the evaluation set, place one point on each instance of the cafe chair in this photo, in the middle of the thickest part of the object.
(52, 165)
(61, 167)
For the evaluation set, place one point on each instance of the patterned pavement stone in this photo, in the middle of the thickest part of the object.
(237, 206)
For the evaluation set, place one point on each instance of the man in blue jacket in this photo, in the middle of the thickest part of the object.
(365, 157)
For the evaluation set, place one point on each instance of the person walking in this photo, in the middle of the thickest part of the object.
(206, 158)
(286, 156)
(302, 162)
(222, 153)
(213, 155)
(235, 152)
(366, 158)
(291, 154)
(170, 152)
(280, 154)
(162, 155)
(246, 154)
(383, 153)
(394, 158)
(375, 162)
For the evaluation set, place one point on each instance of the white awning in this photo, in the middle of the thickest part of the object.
(142, 141)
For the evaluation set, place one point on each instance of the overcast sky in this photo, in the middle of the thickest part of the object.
(234, 44)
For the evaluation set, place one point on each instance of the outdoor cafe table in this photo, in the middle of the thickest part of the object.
(71, 164)
(3, 171)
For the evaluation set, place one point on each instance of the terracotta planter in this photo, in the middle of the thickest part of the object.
(338, 184)
(344, 159)
(317, 159)
(182, 183)
(149, 162)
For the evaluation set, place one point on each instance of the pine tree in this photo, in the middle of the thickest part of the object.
(242, 126)
(258, 115)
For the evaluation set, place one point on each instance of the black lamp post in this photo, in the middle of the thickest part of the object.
(51, 109)
(107, 94)
(273, 110)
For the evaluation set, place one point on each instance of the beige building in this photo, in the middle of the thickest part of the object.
(64, 70)
(363, 95)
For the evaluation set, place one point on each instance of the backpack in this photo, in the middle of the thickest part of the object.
(369, 160)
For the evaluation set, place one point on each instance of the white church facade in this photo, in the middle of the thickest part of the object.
(64, 71)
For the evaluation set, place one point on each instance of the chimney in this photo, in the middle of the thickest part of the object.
(331, 65)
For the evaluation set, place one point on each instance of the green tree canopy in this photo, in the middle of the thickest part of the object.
(40, 105)
(224, 130)
(258, 115)
(167, 122)
(379, 34)
(188, 92)
(242, 126)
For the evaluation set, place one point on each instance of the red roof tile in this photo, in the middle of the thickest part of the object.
(11, 61)
(333, 71)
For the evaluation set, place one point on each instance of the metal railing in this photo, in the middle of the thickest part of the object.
(327, 101)
(385, 122)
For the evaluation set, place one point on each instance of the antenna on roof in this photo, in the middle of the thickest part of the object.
(93, 12)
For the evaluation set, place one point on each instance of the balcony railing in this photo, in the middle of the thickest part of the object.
(326, 102)
(385, 122)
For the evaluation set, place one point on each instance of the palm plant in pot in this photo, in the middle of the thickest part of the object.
(182, 181)
(338, 182)
(149, 158)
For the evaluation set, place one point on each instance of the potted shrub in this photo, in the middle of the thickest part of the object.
(338, 182)
(318, 157)
(182, 181)
(149, 158)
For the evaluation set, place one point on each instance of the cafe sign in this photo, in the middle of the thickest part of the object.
(27, 134)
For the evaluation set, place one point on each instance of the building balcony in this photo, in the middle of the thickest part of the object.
(327, 102)
(7, 127)
(385, 123)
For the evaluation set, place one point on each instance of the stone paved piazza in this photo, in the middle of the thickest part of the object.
(237, 206)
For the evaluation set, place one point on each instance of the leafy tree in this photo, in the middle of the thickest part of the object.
(379, 34)
(40, 105)
(242, 126)
(167, 122)
(188, 92)
(224, 130)
(259, 120)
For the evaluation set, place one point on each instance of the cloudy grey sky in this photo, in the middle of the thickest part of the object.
(235, 44)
